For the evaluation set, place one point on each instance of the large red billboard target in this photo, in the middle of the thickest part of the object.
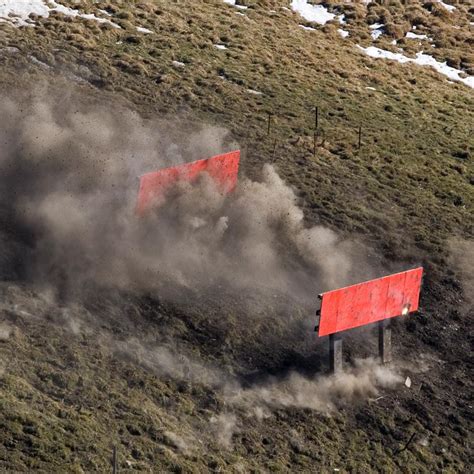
(371, 301)
(153, 186)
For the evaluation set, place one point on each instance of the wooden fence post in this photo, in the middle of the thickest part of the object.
(269, 123)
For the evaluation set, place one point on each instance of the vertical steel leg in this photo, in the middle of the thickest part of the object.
(335, 353)
(385, 341)
(115, 461)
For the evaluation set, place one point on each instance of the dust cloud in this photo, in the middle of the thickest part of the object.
(462, 258)
(322, 393)
(68, 186)
(69, 176)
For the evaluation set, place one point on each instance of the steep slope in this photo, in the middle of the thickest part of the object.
(227, 377)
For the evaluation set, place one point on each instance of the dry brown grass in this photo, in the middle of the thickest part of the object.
(406, 192)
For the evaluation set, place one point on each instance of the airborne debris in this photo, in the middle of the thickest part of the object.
(223, 169)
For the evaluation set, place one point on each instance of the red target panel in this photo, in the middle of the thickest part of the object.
(371, 301)
(153, 186)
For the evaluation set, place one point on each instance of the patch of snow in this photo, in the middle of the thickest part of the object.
(422, 60)
(178, 64)
(371, 88)
(144, 30)
(377, 30)
(415, 36)
(18, 11)
(105, 12)
(376, 33)
(314, 13)
(343, 33)
(254, 92)
(10, 50)
(220, 46)
(342, 19)
(75, 13)
(450, 8)
(394, 42)
(232, 2)
(308, 28)
(39, 63)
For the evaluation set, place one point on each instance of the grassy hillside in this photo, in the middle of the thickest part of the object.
(156, 377)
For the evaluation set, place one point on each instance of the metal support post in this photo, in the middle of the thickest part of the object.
(115, 461)
(385, 341)
(335, 353)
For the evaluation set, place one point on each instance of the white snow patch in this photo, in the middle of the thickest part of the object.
(450, 8)
(376, 33)
(75, 13)
(422, 60)
(377, 30)
(144, 30)
(314, 13)
(178, 64)
(415, 36)
(10, 50)
(307, 28)
(342, 19)
(39, 63)
(232, 2)
(254, 92)
(18, 11)
(220, 46)
(343, 33)
(371, 88)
